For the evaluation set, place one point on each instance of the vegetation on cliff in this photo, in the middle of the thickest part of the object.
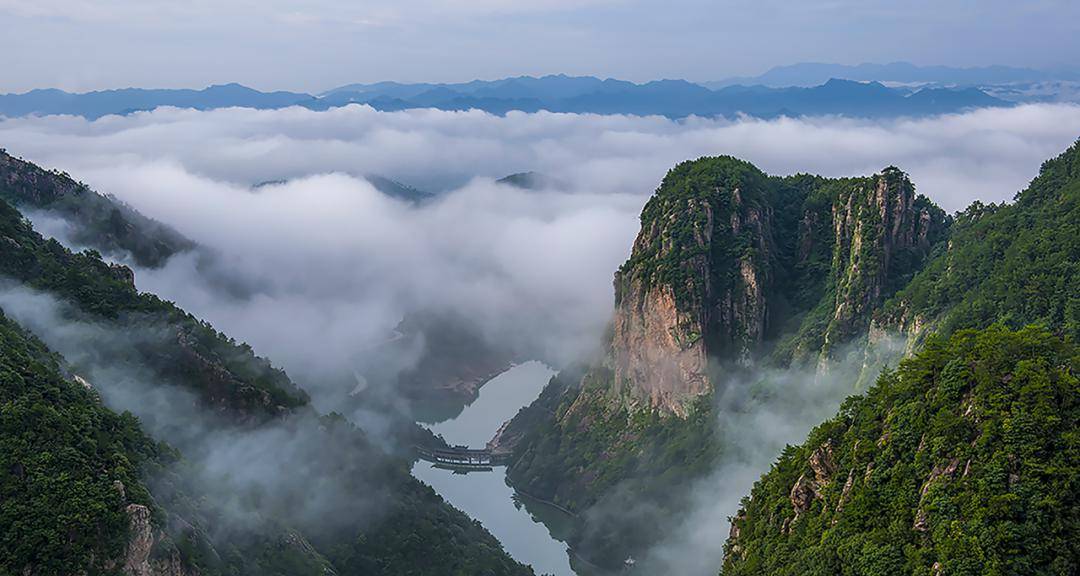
(967, 455)
(581, 453)
(1015, 263)
(98, 221)
(68, 466)
(66, 454)
(758, 266)
(964, 460)
(843, 264)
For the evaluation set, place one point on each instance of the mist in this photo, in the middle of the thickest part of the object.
(759, 413)
(298, 469)
(315, 271)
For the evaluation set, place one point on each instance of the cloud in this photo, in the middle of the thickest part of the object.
(759, 413)
(327, 265)
(316, 271)
(334, 477)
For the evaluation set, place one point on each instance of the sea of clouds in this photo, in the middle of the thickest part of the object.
(328, 265)
(331, 265)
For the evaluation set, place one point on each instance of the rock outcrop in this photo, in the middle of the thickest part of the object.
(149, 552)
(806, 490)
(726, 256)
(882, 231)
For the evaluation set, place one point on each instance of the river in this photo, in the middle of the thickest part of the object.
(532, 532)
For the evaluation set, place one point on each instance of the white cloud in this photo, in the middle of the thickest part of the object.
(332, 264)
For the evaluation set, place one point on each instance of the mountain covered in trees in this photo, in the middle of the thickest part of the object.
(963, 460)
(90, 490)
(584, 94)
(735, 275)
(96, 220)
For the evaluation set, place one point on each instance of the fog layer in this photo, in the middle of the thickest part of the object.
(321, 266)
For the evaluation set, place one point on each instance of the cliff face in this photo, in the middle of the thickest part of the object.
(731, 269)
(139, 559)
(695, 285)
(882, 232)
(1012, 263)
(728, 259)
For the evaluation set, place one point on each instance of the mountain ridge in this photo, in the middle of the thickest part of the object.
(586, 447)
(175, 518)
(671, 98)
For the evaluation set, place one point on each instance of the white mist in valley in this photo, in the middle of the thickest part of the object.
(297, 468)
(316, 269)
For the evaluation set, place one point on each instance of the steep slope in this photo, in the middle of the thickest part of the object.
(71, 497)
(965, 460)
(184, 350)
(240, 398)
(967, 455)
(1015, 263)
(729, 259)
(97, 221)
(733, 270)
(75, 499)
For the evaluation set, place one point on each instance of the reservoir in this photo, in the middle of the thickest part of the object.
(530, 531)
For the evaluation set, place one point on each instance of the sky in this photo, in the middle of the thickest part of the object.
(315, 45)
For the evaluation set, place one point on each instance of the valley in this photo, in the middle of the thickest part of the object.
(539, 288)
(780, 357)
(528, 529)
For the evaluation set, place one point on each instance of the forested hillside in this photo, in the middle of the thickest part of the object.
(69, 467)
(86, 490)
(95, 220)
(736, 274)
(967, 454)
(1016, 263)
(965, 460)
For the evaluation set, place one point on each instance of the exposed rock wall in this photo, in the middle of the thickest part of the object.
(709, 275)
(882, 231)
(140, 558)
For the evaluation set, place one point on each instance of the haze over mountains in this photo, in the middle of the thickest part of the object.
(813, 73)
(866, 91)
(240, 331)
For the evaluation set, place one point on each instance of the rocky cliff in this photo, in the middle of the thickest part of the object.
(732, 270)
(694, 286)
(729, 259)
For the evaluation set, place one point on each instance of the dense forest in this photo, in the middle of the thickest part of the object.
(832, 276)
(964, 460)
(69, 467)
(970, 447)
(88, 490)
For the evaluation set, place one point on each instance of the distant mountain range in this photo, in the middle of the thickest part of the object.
(815, 73)
(854, 95)
(127, 100)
